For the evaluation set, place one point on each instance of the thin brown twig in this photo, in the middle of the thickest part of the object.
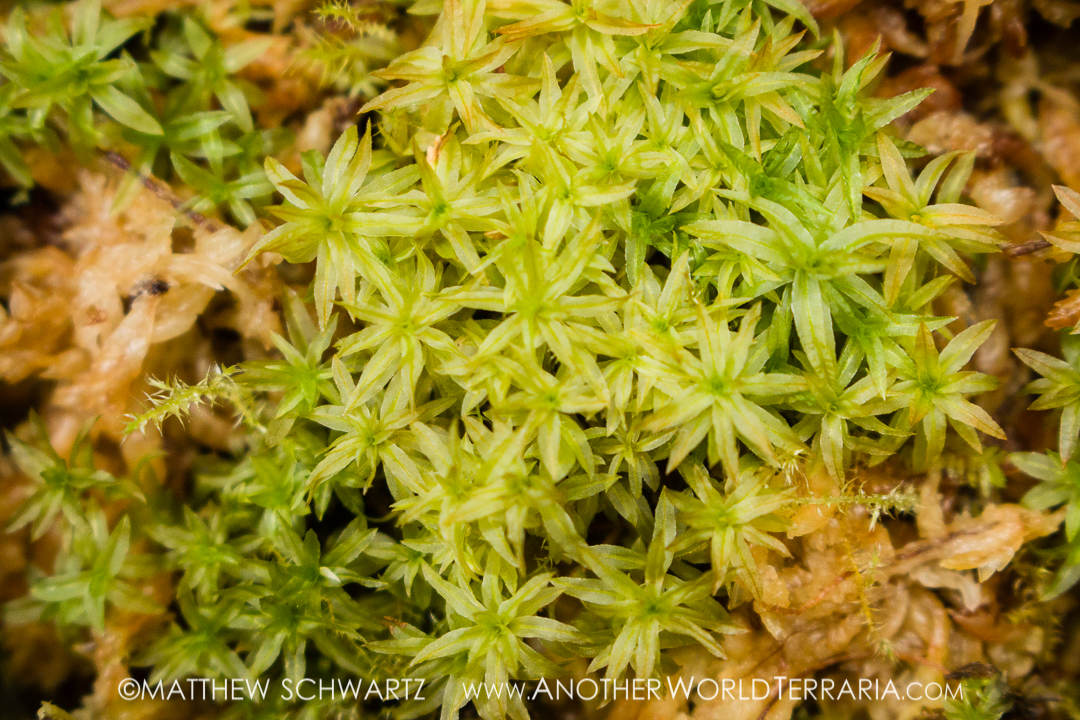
(1027, 248)
(164, 192)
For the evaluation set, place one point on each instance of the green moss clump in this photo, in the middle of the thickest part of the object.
(597, 287)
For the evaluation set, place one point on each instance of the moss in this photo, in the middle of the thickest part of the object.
(613, 339)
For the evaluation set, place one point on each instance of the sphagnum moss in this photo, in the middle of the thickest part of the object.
(610, 299)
